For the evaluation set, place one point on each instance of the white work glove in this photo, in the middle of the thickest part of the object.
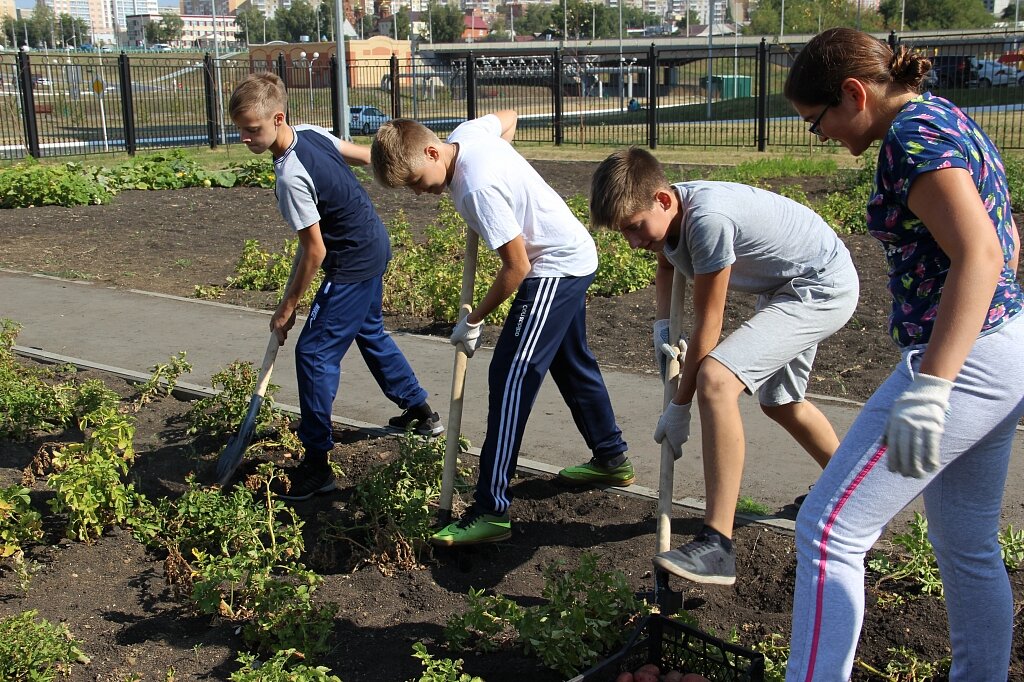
(468, 335)
(663, 350)
(675, 426)
(915, 427)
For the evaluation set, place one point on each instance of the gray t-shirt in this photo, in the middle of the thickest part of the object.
(768, 240)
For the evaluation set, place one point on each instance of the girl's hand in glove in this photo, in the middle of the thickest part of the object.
(916, 424)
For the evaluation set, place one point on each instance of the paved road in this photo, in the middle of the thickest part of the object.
(135, 330)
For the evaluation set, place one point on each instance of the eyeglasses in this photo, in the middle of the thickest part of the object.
(815, 128)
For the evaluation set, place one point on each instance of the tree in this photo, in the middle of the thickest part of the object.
(250, 22)
(812, 16)
(295, 21)
(446, 23)
(43, 21)
(166, 30)
(927, 15)
(402, 21)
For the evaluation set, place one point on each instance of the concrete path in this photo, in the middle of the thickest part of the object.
(135, 330)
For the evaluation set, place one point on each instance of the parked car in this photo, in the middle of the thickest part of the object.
(366, 119)
(41, 82)
(993, 74)
(955, 70)
(160, 47)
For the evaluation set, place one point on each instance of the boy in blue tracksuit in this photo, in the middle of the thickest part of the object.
(548, 260)
(340, 232)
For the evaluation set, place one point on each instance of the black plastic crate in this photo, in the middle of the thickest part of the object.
(673, 645)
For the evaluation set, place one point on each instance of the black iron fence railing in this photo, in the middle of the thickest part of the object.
(718, 95)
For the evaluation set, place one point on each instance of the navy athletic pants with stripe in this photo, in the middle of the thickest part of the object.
(343, 313)
(545, 330)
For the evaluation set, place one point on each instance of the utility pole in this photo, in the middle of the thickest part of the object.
(782, 21)
(622, 84)
(903, 14)
(341, 95)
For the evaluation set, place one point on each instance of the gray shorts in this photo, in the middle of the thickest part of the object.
(772, 352)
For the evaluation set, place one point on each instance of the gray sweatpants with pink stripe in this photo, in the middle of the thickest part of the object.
(857, 495)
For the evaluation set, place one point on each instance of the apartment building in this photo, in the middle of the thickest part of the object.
(197, 30)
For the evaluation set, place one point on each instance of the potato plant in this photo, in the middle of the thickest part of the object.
(588, 614)
(35, 649)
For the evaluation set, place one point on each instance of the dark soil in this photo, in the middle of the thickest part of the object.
(113, 594)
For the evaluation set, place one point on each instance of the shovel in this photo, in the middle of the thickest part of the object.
(454, 429)
(668, 600)
(231, 456)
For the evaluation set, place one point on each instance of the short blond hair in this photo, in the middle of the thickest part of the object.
(397, 150)
(262, 94)
(623, 185)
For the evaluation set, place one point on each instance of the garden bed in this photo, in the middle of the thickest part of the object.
(114, 597)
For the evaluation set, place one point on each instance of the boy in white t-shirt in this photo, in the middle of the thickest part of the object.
(548, 260)
(723, 237)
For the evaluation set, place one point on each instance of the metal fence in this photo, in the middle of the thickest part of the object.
(710, 96)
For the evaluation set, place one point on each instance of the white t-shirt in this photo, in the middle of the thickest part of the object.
(501, 196)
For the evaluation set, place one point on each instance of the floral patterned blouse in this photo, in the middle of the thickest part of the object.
(930, 133)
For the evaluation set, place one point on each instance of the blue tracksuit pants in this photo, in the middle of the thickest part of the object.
(340, 314)
(546, 330)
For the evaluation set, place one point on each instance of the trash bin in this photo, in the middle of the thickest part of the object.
(716, 85)
(734, 86)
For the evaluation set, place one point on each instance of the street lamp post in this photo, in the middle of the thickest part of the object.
(903, 14)
(309, 70)
(622, 93)
(782, 20)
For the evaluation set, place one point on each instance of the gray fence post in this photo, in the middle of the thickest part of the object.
(762, 95)
(28, 105)
(211, 92)
(652, 98)
(556, 92)
(470, 86)
(127, 103)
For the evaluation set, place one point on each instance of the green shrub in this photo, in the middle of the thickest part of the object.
(69, 184)
(19, 522)
(219, 416)
(258, 172)
(36, 650)
(620, 269)
(171, 169)
(440, 669)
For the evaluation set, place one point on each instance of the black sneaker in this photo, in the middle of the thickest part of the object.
(798, 501)
(704, 560)
(305, 482)
(421, 420)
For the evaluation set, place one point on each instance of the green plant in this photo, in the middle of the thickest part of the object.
(19, 523)
(36, 650)
(620, 269)
(258, 172)
(491, 623)
(748, 505)
(33, 184)
(207, 293)
(907, 666)
(397, 502)
(259, 270)
(219, 415)
(283, 666)
(27, 402)
(284, 615)
(1011, 544)
(171, 169)
(426, 279)
(164, 378)
(776, 657)
(440, 669)
(917, 564)
(87, 482)
(588, 613)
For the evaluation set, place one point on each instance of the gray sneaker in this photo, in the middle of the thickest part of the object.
(704, 560)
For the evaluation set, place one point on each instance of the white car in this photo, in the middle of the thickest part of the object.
(993, 74)
(366, 119)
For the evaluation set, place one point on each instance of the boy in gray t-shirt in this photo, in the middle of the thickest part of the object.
(725, 236)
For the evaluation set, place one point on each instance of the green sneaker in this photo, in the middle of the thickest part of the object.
(474, 528)
(595, 473)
